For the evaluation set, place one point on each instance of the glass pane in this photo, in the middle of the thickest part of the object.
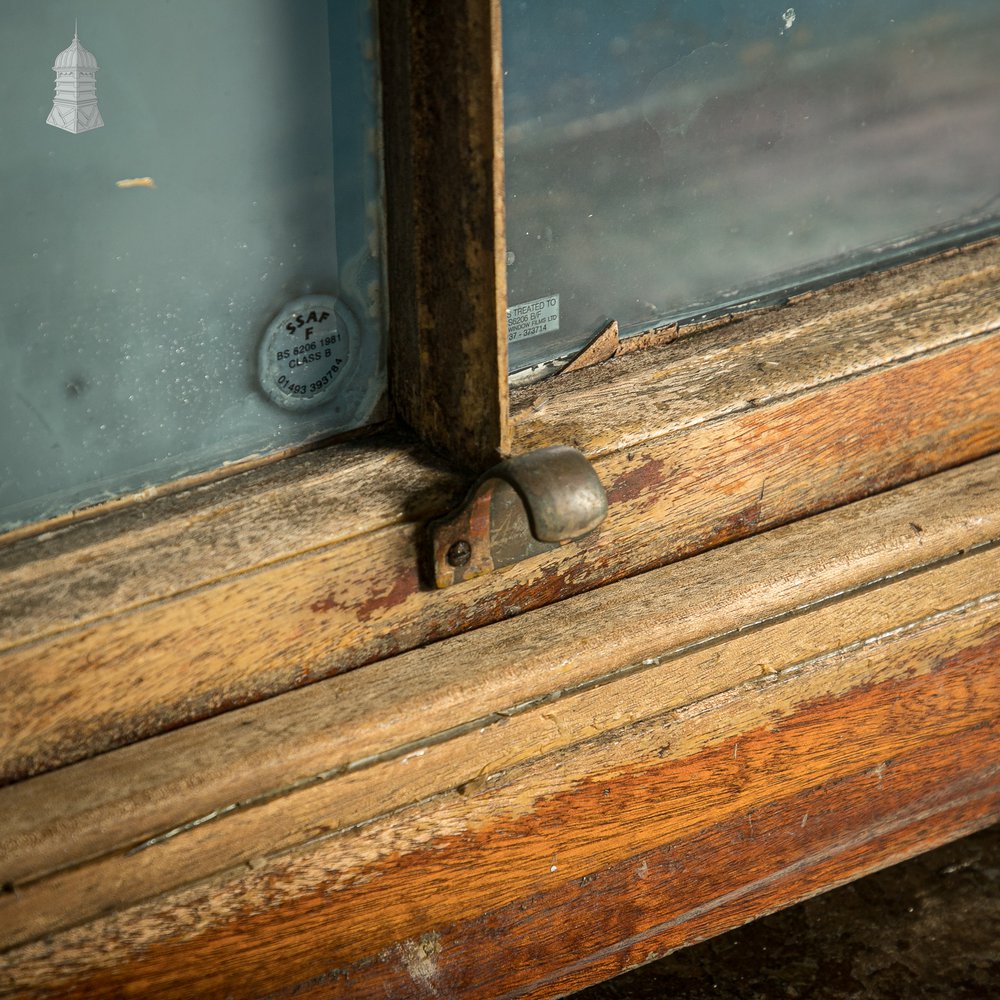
(670, 158)
(189, 239)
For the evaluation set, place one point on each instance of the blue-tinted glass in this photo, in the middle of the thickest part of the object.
(176, 178)
(670, 157)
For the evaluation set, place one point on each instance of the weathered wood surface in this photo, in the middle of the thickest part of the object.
(693, 379)
(654, 902)
(79, 573)
(287, 816)
(47, 823)
(443, 126)
(557, 842)
(101, 643)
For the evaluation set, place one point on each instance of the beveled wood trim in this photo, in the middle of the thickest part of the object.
(140, 790)
(735, 364)
(854, 723)
(443, 127)
(132, 624)
(164, 839)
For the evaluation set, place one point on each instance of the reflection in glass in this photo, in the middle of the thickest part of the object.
(667, 158)
(143, 259)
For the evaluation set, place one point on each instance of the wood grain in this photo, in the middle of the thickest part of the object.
(729, 804)
(282, 818)
(637, 907)
(679, 386)
(337, 723)
(376, 734)
(284, 577)
(443, 125)
(83, 572)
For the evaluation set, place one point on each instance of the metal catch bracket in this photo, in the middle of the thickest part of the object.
(519, 508)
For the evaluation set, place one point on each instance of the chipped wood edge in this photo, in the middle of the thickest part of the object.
(596, 407)
(604, 346)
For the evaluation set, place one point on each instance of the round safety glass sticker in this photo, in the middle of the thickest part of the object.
(305, 356)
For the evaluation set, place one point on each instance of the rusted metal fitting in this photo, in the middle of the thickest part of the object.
(524, 506)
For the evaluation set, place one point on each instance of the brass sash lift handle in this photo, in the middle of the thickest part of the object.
(524, 506)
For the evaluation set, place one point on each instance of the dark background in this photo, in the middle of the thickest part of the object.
(927, 928)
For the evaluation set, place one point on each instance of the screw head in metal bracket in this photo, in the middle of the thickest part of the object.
(518, 509)
(459, 553)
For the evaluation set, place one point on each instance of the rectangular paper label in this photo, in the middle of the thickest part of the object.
(529, 319)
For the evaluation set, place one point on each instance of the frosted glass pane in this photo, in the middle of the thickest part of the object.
(159, 213)
(670, 158)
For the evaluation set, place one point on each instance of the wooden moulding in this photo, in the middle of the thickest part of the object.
(128, 625)
(443, 126)
(530, 807)
(738, 364)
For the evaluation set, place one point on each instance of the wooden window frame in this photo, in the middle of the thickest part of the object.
(166, 623)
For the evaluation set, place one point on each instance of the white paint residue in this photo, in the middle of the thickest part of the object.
(789, 18)
(420, 959)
